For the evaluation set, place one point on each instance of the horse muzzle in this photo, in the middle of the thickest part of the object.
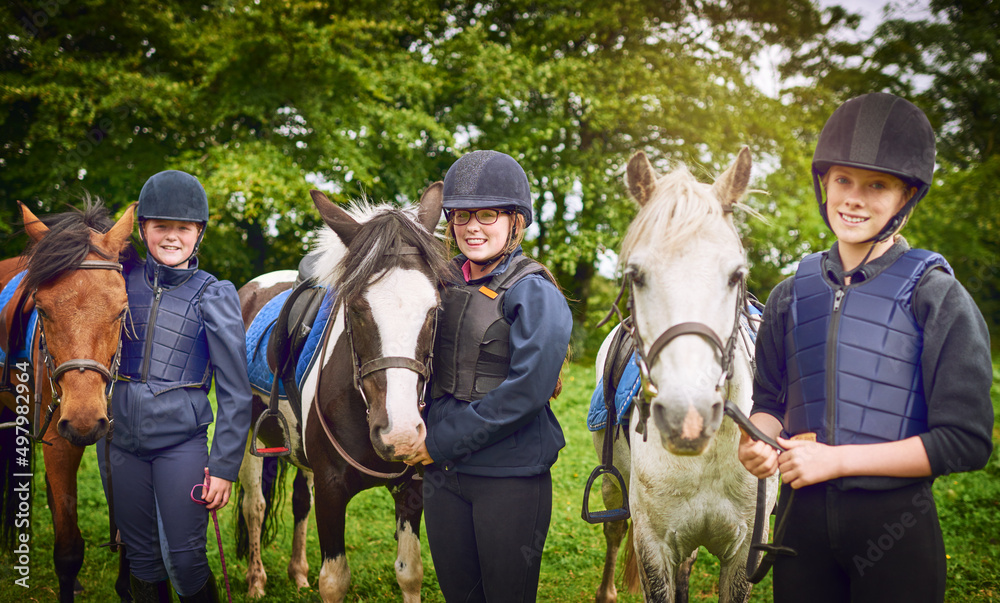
(687, 424)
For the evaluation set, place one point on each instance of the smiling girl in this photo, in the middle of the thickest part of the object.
(873, 365)
(185, 327)
(491, 434)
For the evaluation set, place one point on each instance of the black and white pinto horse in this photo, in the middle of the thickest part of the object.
(685, 269)
(361, 400)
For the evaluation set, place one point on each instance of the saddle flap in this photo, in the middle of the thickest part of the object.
(293, 325)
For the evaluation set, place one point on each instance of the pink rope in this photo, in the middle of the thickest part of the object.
(215, 520)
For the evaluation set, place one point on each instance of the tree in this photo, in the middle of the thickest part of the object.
(262, 100)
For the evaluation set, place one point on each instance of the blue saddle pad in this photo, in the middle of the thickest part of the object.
(259, 334)
(628, 386)
(6, 297)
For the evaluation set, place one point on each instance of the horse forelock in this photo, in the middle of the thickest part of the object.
(383, 231)
(67, 243)
(680, 209)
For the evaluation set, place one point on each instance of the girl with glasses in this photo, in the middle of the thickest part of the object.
(491, 434)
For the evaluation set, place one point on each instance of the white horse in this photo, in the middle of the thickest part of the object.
(685, 269)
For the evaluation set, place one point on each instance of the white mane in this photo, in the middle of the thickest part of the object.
(680, 209)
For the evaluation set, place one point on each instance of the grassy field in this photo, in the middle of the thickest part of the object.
(968, 503)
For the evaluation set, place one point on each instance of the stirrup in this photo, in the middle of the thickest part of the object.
(609, 514)
(275, 451)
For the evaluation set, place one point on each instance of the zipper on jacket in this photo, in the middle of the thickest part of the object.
(157, 293)
(831, 368)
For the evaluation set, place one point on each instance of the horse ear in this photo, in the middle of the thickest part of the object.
(641, 178)
(335, 217)
(429, 212)
(731, 186)
(32, 225)
(116, 239)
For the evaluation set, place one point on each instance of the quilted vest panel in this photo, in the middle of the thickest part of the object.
(472, 351)
(859, 346)
(166, 345)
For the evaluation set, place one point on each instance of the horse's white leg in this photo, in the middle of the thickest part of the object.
(302, 502)
(253, 510)
(409, 566)
(656, 569)
(334, 579)
(733, 584)
(614, 531)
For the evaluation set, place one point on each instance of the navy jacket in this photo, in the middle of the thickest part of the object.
(511, 431)
(152, 415)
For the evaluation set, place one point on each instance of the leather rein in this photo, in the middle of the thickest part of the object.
(110, 374)
(362, 370)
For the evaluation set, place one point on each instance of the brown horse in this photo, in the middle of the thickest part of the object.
(361, 400)
(73, 281)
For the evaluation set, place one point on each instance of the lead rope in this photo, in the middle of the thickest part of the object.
(218, 534)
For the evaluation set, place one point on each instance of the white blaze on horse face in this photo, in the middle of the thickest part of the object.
(692, 284)
(400, 303)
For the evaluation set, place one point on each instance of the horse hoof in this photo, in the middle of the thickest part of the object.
(77, 587)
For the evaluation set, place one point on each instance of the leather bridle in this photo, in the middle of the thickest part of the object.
(362, 370)
(645, 359)
(110, 374)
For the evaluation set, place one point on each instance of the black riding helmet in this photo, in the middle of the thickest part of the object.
(487, 179)
(880, 132)
(482, 179)
(174, 195)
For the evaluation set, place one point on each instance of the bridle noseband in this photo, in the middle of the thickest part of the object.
(644, 359)
(110, 374)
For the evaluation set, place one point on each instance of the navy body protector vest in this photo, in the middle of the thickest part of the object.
(165, 344)
(853, 354)
(472, 350)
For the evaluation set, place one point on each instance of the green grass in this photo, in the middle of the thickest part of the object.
(968, 504)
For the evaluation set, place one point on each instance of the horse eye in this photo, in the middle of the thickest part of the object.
(736, 277)
(637, 276)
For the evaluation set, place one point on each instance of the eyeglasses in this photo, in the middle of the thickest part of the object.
(461, 217)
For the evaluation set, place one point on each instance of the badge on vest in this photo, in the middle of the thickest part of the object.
(490, 293)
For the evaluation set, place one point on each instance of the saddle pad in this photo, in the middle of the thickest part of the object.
(628, 386)
(7, 298)
(260, 331)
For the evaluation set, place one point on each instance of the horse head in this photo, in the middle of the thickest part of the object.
(685, 264)
(388, 283)
(79, 293)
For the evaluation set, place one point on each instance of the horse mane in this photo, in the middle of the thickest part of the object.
(67, 243)
(371, 255)
(680, 208)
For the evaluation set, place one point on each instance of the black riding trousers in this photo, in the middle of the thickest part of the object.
(487, 534)
(862, 546)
